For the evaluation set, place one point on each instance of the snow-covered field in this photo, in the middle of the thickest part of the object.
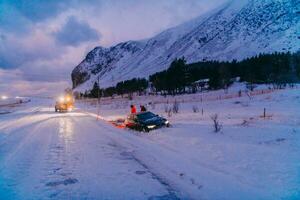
(9, 104)
(47, 155)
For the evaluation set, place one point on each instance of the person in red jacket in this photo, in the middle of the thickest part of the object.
(133, 109)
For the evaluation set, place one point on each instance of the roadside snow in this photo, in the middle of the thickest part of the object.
(252, 158)
(48, 155)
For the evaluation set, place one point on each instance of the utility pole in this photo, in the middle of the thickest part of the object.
(98, 101)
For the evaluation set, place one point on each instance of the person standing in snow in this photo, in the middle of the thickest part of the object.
(143, 108)
(133, 109)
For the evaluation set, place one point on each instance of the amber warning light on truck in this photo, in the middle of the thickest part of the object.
(64, 103)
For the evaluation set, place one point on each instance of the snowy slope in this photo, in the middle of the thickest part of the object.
(237, 30)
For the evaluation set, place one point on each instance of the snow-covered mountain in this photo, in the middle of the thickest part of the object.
(239, 29)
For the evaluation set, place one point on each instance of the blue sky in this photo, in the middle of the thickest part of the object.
(41, 41)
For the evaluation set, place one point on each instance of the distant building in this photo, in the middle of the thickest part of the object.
(236, 79)
(200, 84)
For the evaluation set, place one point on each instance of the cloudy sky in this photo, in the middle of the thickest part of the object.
(41, 41)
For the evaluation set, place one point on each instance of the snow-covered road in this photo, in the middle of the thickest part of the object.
(48, 155)
(44, 155)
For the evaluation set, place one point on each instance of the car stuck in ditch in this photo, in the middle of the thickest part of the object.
(145, 121)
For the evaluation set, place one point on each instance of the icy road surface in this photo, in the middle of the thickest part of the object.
(48, 155)
(44, 155)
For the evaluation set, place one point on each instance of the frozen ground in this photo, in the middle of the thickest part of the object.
(47, 155)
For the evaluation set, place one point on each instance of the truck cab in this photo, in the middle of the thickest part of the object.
(64, 103)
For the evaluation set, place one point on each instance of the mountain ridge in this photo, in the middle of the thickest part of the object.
(234, 31)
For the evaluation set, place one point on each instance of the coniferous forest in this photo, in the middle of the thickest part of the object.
(278, 69)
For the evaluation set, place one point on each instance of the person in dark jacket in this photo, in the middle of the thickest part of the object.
(143, 108)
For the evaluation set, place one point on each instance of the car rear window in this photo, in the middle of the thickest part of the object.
(147, 115)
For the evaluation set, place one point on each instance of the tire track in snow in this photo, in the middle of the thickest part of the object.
(58, 176)
(172, 193)
(183, 175)
(19, 118)
(19, 166)
(60, 172)
(25, 152)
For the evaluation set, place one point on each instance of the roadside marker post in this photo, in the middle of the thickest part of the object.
(98, 100)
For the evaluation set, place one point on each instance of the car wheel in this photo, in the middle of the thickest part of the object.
(139, 128)
(145, 129)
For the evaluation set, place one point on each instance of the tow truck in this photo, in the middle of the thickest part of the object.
(64, 103)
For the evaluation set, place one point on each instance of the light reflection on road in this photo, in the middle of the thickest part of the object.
(66, 130)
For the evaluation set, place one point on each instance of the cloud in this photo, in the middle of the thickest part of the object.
(75, 32)
(124, 20)
(16, 50)
(37, 10)
(13, 84)
(44, 40)
(12, 20)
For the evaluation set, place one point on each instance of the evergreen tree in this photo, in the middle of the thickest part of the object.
(95, 91)
(279, 69)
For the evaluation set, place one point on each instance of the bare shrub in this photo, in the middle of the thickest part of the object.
(130, 96)
(240, 93)
(168, 110)
(245, 123)
(217, 125)
(175, 107)
(195, 109)
(291, 85)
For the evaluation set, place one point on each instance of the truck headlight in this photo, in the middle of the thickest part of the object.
(61, 99)
(167, 122)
